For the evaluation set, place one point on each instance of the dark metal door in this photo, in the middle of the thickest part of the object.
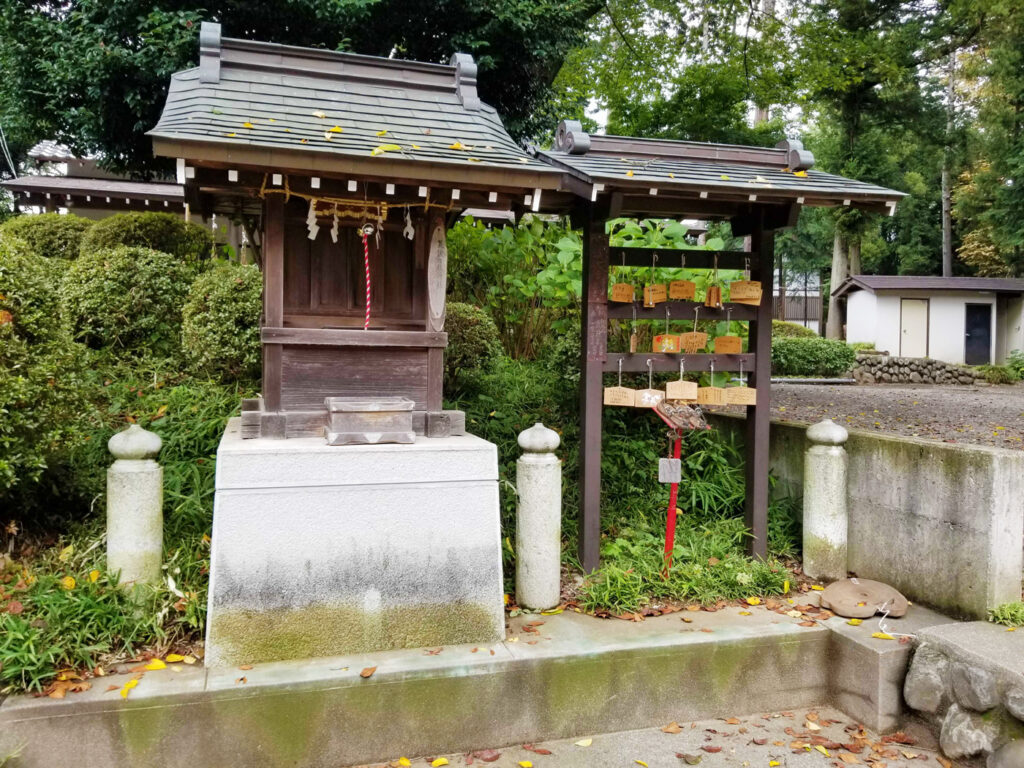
(978, 334)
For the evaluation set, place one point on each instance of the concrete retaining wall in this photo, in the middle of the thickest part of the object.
(943, 523)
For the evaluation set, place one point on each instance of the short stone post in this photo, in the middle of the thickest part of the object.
(825, 517)
(539, 519)
(135, 495)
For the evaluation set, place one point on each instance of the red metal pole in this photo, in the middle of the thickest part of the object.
(670, 523)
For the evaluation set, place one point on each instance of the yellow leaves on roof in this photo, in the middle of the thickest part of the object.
(320, 113)
(801, 174)
(629, 172)
(380, 150)
(382, 132)
(231, 135)
(724, 177)
(459, 145)
(247, 124)
(336, 129)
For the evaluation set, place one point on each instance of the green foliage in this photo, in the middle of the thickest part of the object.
(780, 328)
(528, 277)
(860, 346)
(50, 235)
(999, 374)
(40, 370)
(473, 344)
(220, 332)
(1008, 614)
(189, 242)
(129, 298)
(795, 356)
(1015, 362)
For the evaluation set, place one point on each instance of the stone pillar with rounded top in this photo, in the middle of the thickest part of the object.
(135, 519)
(825, 514)
(539, 519)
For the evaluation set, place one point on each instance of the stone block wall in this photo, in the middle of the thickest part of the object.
(965, 680)
(884, 369)
(941, 522)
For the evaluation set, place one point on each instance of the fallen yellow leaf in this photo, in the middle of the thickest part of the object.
(785, 587)
(753, 601)
(189, 660)
(440, 761)
(773, 763)
(383, 132)
(247, 124)
(640, 762)
(855, 622)
(723, 177)
(552, 611)
(801, 174)
(882, 636)
(156, 664)
(822, 750)
(629, 172)
(456, 145)
(320, 114)
(173, 658)
(404, 762)
(335, 129)
(94, 576)
(584, 742)
(672, 727)
(385, 148)
(816, 588)
(127, 687)
(525, 764)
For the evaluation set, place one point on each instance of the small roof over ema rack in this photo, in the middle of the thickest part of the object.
(647, 176)
(269, 107)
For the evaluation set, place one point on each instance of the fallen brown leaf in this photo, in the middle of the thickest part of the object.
(672, 727)
(245, 667)
(368, 672)
(711, 749)
(689, 759)
(487, 755)
(241, 680)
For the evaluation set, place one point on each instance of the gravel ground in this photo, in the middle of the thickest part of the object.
(982, 415)
(783, 739)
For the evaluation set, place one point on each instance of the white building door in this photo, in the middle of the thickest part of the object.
(913, 327)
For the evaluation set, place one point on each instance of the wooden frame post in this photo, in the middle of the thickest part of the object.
(593, 352)
(759, 416)
(273, 297)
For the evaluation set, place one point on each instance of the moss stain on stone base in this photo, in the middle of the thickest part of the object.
(331, 630)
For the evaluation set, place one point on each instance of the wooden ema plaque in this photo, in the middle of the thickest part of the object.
(693, 342)
(713, 298)
(745, 292)
(623, 293)
(648, 398)
(711, 396)
(655, 294)
(681, 390)
(741, 396)
(619, 396)
(682, 290)
(666, 343)
(728, 345)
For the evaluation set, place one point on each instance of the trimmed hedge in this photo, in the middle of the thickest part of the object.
(40, 370)
(50, 235)
(811, 357)
(220, 332)
(129, 298)
(786, 329)
(473, 343)
(164, 232)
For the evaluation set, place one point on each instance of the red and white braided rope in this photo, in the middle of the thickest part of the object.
(366, 265)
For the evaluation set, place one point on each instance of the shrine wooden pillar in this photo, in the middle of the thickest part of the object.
(759, 416)
(593, 353)
(273, 297)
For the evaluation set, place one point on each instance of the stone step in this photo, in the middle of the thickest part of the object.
(574, 675)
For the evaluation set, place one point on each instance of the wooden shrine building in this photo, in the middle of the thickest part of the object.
(759, 191)
(323, 146)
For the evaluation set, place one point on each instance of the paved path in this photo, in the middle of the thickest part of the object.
(759, 741)
(991, 415)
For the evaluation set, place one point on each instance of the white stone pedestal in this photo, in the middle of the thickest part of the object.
(324, 550)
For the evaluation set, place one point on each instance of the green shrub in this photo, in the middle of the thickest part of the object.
(40, 370)
(50, 235)
(781, 328)
(861, 346)
(129, 298)
(165, 232)
(1008, 614)
(473, 344)
(1015, 362)
(811, 357)
(220, 332)
(998, 374)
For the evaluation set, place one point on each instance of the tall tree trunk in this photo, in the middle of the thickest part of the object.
(947, 192)
(761, 110)
(781, 312)
(853, 251)
(840, 269)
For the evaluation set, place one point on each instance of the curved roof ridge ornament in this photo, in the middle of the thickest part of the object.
(571, 138)
(465, 80)
(209, 52)
(797, 158)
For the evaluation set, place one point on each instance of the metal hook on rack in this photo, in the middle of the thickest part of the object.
(668, 313)
(746, 268)
(696, 312)
(682, 367)
(712, 372)
(634, 316)
(650, 373)
(620, 371)
(743, 381)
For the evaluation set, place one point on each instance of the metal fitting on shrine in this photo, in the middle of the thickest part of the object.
(825, 513)
(135, 496)
(539, 519)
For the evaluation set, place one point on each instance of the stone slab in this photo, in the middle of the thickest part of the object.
(268, 463)
(982, 643)
(582, 675)
(319, 550)
(867, 674)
